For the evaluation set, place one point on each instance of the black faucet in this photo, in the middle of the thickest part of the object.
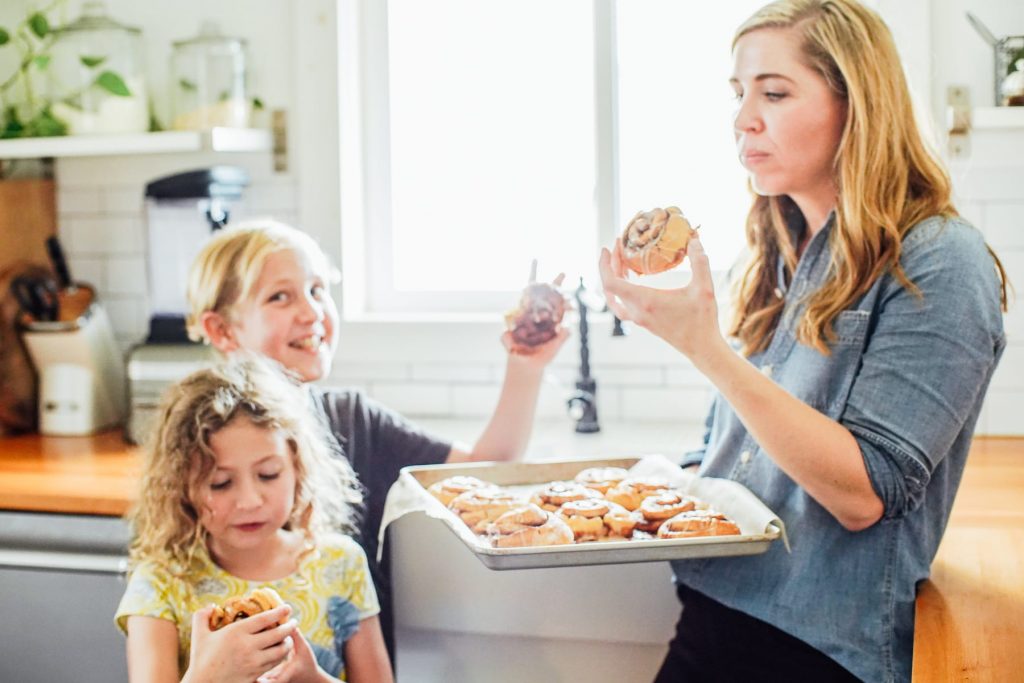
(583, 403)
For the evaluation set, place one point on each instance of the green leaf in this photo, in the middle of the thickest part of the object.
(257, 104)
(92, 62)
(187, 84)
(41, 61)
(45, 124)
(112, 83)
(39, 24)
(12, 124)
(5, 37)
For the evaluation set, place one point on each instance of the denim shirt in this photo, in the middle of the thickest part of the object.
(906, 377)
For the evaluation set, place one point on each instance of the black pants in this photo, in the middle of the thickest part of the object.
(716, 643)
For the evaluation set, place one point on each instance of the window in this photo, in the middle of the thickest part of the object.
(497, 132)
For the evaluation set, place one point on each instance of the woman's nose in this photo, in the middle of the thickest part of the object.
(747, 119)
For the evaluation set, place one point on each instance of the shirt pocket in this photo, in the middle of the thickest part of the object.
(823, 381)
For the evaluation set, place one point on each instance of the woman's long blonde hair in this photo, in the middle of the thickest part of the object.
(179, 460)
(888, 179)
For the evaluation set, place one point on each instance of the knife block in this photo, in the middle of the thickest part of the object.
(82, 387)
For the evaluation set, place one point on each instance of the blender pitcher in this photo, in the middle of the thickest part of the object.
(182, 211)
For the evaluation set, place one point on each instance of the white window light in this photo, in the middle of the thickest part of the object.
(492, 133)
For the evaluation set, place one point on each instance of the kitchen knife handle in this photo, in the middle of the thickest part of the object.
(60, 265)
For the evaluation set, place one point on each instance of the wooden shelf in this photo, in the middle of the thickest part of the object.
(213, 140)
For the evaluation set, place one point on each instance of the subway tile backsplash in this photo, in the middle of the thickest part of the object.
(102, 223)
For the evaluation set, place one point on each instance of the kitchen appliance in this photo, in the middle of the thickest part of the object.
(80, 367)
(182, 210)
(210, 85)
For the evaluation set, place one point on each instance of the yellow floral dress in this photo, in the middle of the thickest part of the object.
(330, 594)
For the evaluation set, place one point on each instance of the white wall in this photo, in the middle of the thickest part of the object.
(451, 369)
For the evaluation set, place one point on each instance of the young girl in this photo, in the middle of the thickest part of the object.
(866, 328)
(263, 288)
(241, 491)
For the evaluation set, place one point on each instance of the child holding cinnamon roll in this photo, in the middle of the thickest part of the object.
(241, 494)
(866, 326)
(264, 288)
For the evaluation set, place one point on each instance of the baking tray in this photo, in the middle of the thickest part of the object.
(413, 482)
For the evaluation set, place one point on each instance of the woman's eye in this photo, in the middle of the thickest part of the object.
(775, 96)
(220, 485)
(270, 477)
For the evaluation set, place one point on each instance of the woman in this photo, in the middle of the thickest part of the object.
(866, 327)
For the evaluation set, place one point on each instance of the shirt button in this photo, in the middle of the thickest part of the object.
(767, 370)
(745, 457)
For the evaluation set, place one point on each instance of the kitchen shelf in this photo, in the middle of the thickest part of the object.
(989, 118)
(213, 140)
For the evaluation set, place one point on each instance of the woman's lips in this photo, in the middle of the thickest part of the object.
(250, 526)
(753, 157)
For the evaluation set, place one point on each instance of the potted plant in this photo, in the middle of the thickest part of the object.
(55, 91)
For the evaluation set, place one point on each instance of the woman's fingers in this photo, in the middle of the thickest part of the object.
(700, 264)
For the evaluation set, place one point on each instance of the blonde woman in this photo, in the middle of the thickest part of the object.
(866, 327)
(241, 491)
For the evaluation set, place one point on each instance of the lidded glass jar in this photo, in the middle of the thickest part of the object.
(209, 82)
(96, 75)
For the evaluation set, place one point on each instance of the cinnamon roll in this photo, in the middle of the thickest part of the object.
(528, 526)
(480, 506)
(656, 509)
(698, 523)
(555, 494)
(446, 489)
(601, 478)
(588, 519)
(629, 493)
(656, 240)
(240, 607)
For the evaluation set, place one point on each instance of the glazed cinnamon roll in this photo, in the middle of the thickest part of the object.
(555, 494)
(588, 519)
(480, 506)
(601, 478)
(698, 523)
(656, 240)
(240, 607)
(657, 508)
(446, 489)
(629, 493)
(528, 526)
(537, 318)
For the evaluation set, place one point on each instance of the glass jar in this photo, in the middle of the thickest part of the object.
(96, 78)
(210, 82)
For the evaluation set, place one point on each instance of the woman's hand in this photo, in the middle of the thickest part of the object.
(686, 318)
(301, 667)
(241, 651)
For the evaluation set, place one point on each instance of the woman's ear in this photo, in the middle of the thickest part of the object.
(218, 331)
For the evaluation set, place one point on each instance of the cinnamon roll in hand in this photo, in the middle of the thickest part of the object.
(241, 607)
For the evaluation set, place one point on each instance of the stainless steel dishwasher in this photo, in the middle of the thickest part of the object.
(61, 578)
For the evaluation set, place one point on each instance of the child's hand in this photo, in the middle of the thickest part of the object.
(538, 356)
(301, 667)
(241, 651)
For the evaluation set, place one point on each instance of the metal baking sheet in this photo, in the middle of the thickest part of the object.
(750, 542)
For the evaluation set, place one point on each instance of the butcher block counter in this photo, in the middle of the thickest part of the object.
(965, 613)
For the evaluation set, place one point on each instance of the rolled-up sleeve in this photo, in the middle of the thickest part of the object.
(928, 360)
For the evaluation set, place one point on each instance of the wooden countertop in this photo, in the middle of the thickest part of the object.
(88, 475)
(965, 612)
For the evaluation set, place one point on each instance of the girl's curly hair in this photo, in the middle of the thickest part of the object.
(179, 459)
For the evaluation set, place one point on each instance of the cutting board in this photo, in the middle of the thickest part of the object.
(28, 215)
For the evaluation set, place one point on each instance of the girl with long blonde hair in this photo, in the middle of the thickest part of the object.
(242, 490)
(866, 325)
